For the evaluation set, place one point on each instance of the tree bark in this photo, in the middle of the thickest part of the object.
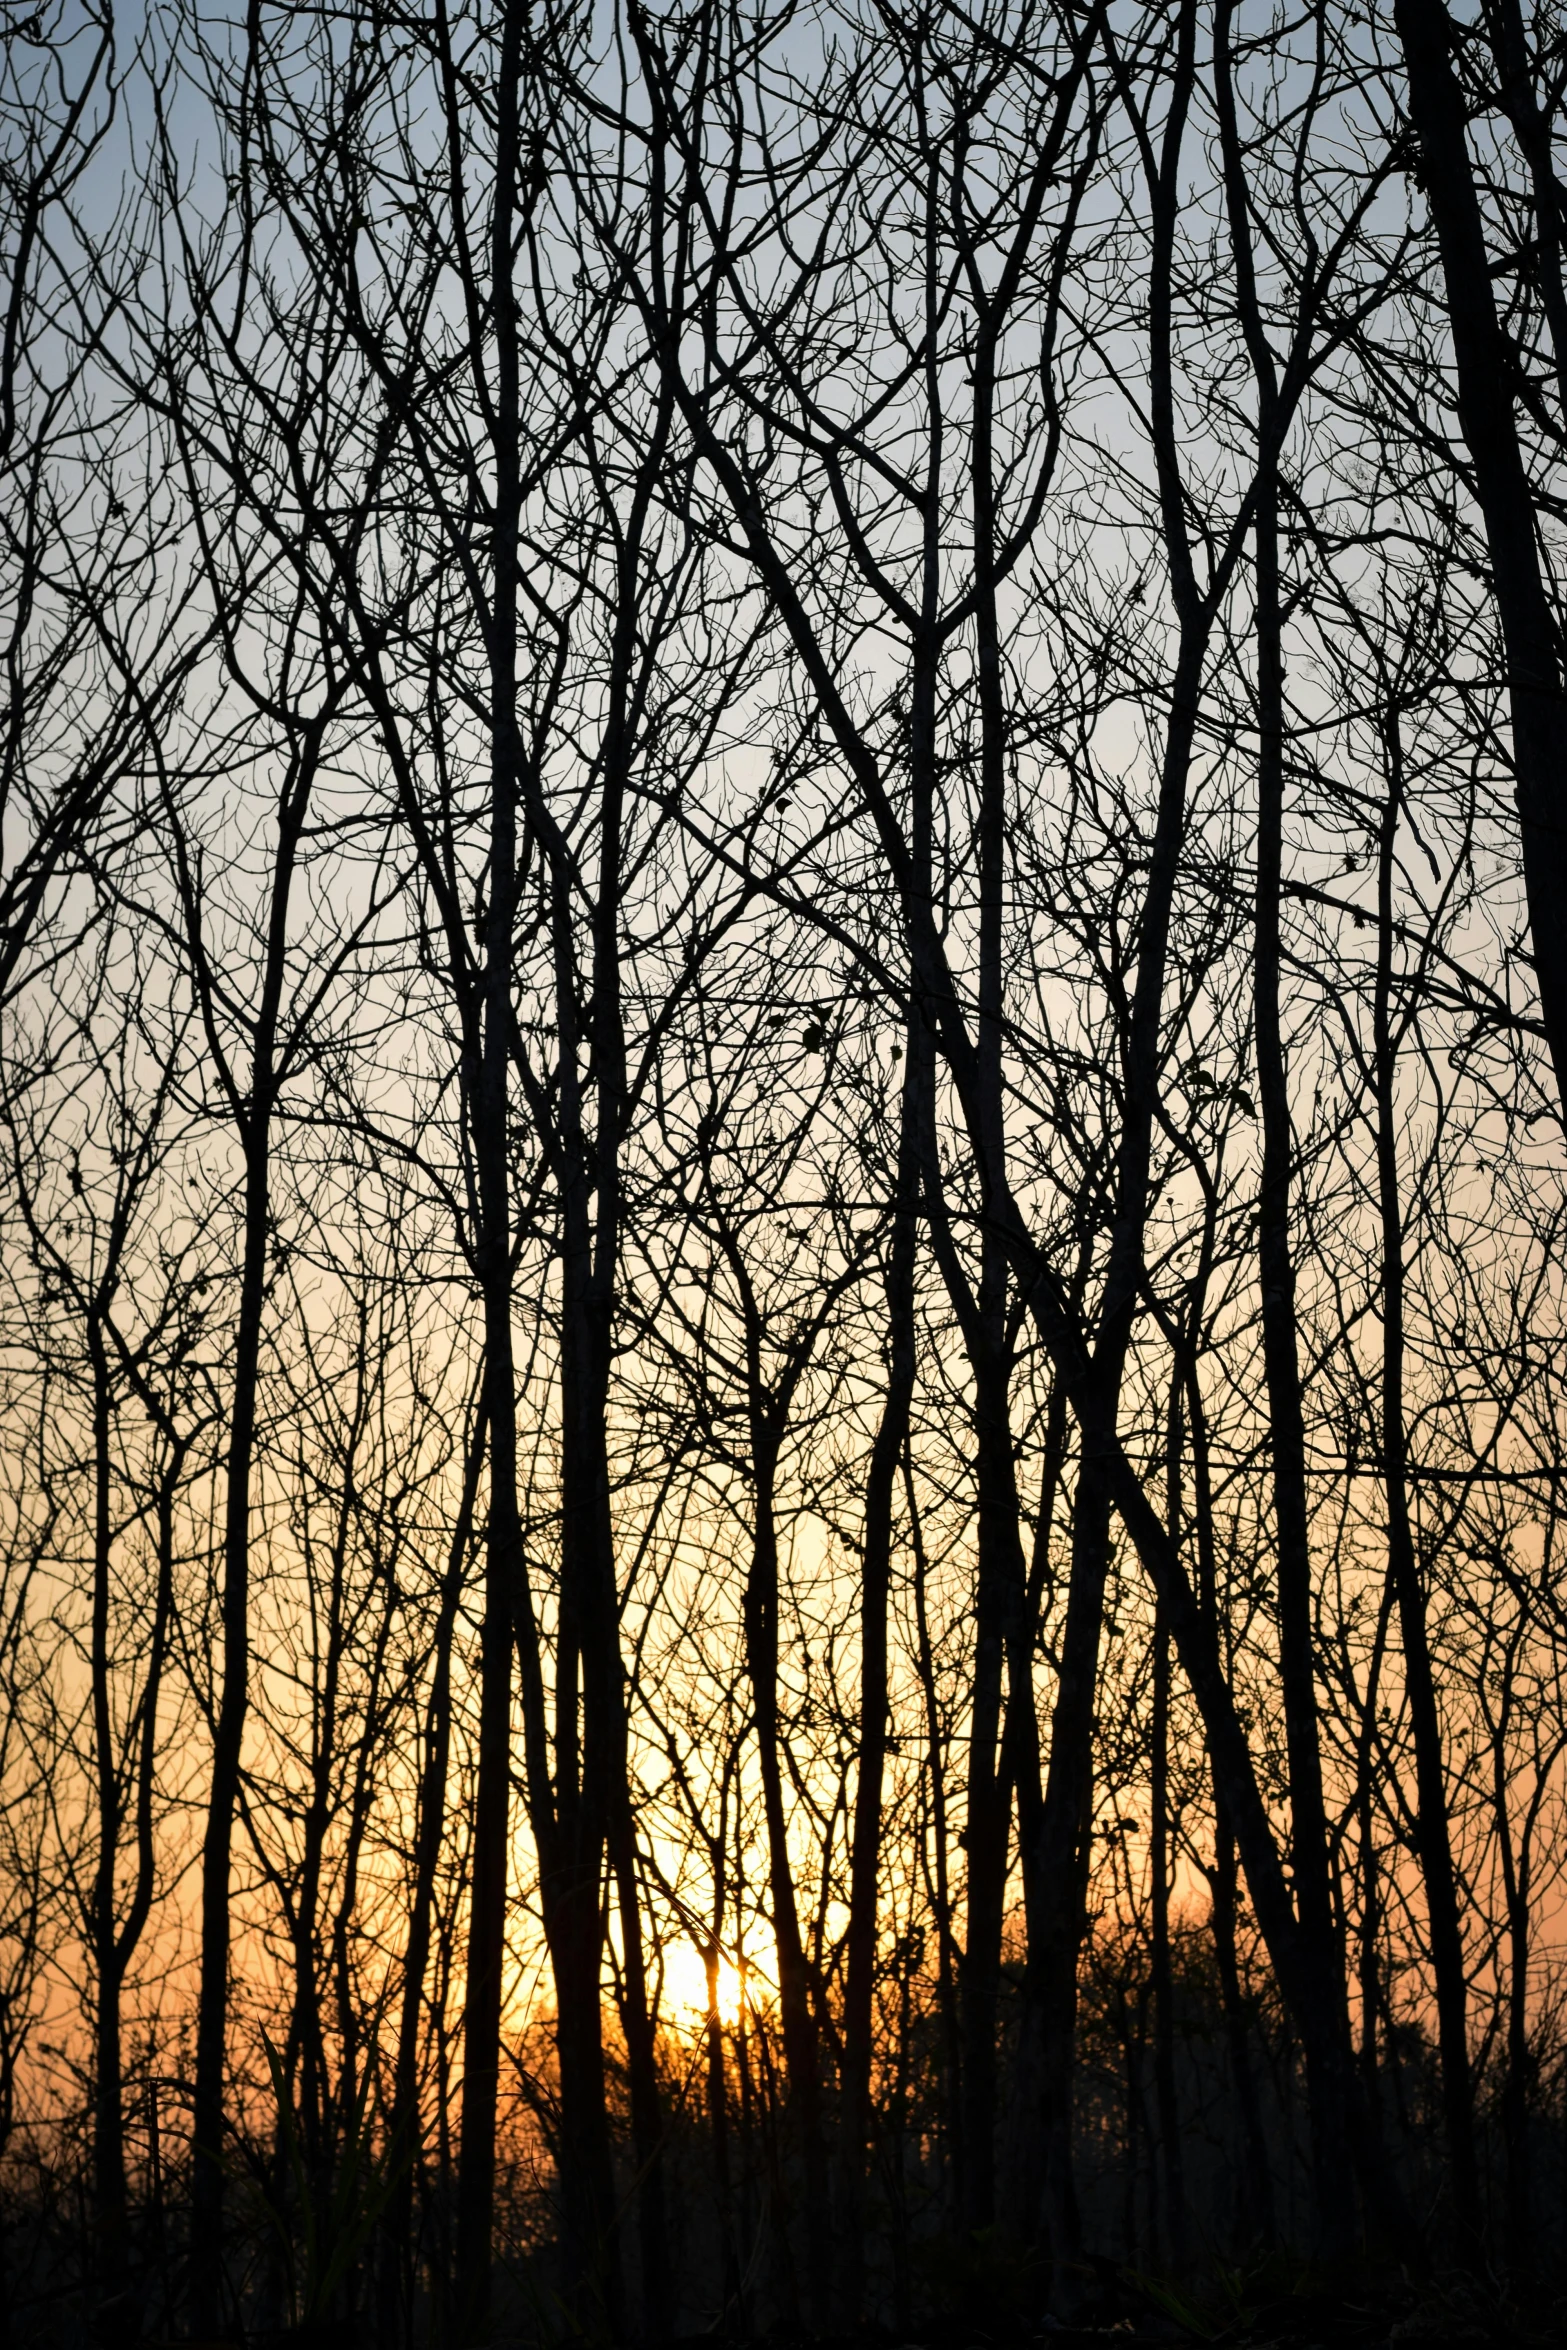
(1435, 1840)
(875, 1590)
(488, 1105)
(948, 1957)
(797, 2013)
(1171, 2159)
(108, 2071)
(1254, 2207)
(403, 2129)
(253, 1117)
(1487, 368)
(1310, 1849)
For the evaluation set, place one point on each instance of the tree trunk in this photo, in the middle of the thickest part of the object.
(403, 2130)
(1486, 369)
(490, 1842)
(1171, 2162)
(1436, 1852)
(488, 1056)
(1518, 2080)
(875, 1588)
(207, 2104)
(108, 2070)
(574, 1927)
(734, 2301)
(1309, 1842)
(1310, 1851)
(590, 1791)
(800, 2036)
(253, 1109)
(947, 1954)
(989, 1809)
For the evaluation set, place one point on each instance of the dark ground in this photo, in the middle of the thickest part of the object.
(1263, 2310)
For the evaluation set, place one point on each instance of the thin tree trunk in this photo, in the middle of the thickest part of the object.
(1047, 2041)
(207, 2108)
(1171, 2160)
(254, 1112)
(989, 1794)
(800, 2034)
(1519, 2076)
(1254, 2204)
(507, 1614)
(108, 2069)
(1533, 128)
(1370, 1876)
(875, 1588)
(947, 1953)
(1436, 1853)
(1028, 2149)
(306, 2034)
(1253, 2172)
(590, 1298)
(488, 1102)
(1309, 1841)
(1310, 1852)
(591, 1792)
(115, 1942)
(718, 2112)
(403, 2132)
(1003, 1631)
(488, 1855)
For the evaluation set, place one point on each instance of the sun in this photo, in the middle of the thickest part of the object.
(685, 1986)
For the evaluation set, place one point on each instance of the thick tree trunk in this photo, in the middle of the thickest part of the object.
(1255, 2217)
(1487, 370)
(1534, 131)
(1368, 1966)
(590, 2247)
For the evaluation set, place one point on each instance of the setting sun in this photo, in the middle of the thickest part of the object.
(685, 1985)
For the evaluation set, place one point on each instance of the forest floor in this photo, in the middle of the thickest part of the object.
(1452, 2311)
(1125, 2310)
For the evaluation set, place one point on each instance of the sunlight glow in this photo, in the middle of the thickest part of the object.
(685, 1986)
